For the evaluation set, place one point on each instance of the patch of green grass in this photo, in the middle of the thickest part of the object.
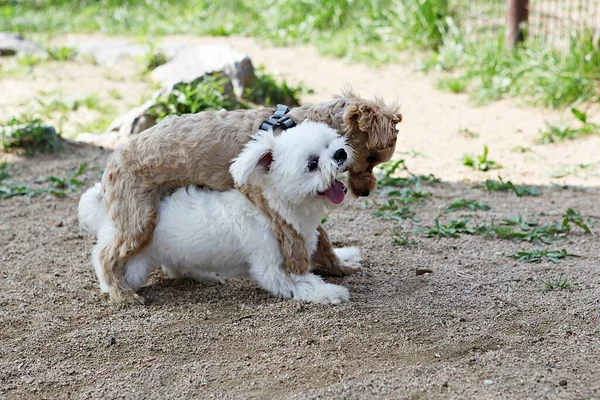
(61, 53)
(453, 84)
(480, 162)
(559, 284)
(558, 133)
(534, 71)
(370, 30)
(501, 186)
(206, 93)
(268, 91)
(465, 204)
(513, 228)
(28, 135)
(55, 186)
(532, 232)
(537, 255)
(97, 125)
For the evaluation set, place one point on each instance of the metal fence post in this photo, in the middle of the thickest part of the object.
(517, 13)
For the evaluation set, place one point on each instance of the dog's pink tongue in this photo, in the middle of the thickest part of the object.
(335, 193)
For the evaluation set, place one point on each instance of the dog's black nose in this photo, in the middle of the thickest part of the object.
(340, 156)
(364, 193)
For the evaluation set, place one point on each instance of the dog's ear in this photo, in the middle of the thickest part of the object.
(255, 160)
(370, 118)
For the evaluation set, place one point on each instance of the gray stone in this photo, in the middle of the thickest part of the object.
(12, 43)
(113, 51)
(193, 63)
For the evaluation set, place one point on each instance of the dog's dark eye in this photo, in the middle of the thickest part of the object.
(371, 158)
(313, 165)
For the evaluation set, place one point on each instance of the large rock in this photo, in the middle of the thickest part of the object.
(190, 65)
(12, 43)
(194, 62)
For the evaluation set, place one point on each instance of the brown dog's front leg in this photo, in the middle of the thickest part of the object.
(326, 262)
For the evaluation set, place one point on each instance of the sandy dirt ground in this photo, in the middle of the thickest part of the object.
(479, 325)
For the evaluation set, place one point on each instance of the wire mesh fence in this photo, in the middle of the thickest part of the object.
(553, 20)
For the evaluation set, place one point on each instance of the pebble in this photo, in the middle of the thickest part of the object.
(562, 382)
(488, 382)
(423, 271)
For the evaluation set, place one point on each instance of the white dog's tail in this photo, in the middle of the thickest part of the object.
(91, 210)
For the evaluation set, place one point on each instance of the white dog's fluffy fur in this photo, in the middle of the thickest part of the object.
(208, 235)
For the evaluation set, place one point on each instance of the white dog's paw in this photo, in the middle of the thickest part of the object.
(331, 294)
(311, 288)
(349, 255)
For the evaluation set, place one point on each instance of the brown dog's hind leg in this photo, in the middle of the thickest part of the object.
(326, 262)
(133, 211)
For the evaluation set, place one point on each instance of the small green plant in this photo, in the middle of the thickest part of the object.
(4, 171)
(61, 53)
(28, 135)
(55, 186)
(465, 204)
(521, 149)
(204, 94)
(466, 132)
(387, 179)
(558, 133)
(324, 219)
(537, 255)
(582, 171)
(501, 186)
(154, 57)
(453, 229)
(268, 91)
(399, 238)
(559, 284)
(480, 162)
(115, 94)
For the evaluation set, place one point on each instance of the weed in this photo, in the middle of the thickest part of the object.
(28, 135)
(61, 53)
(472, 205)
(537, 255)
(115, 94)
(582, 171)
(534, 71)
(532, 232)
(268, 91)
(4, 171)
(466, 132)
(399, 238)
(480, 162)
(324, 219)
(521, 149)
(558, 133)
(55, 186)
(388, 169)
(559, 284)
(501, 186)
(206, 93)
(154, 57)
(452, 229)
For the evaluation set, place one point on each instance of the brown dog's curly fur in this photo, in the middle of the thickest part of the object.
(196, 149)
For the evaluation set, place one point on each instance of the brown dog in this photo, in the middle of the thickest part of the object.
(197, 149)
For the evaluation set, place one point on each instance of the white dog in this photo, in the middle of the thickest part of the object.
(204, 234)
